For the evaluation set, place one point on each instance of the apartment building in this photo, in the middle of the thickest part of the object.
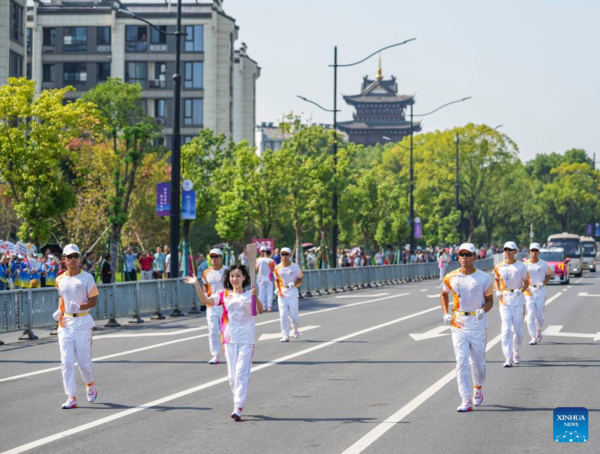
(12, 39)
(82, 43)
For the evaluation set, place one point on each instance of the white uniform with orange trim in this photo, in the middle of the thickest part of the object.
(265, 265)
(469, 335)
(511, 278)
(75, 333)
(238, 328)
(213, 281)
(535, 296)
(288, 297)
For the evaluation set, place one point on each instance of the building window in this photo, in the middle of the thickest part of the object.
(194, 39)
(48, 73)
(29, 30)
(75, 73)
(187, 139)
(75, 39)
(193, 74)
(16, 22)
(137, 73)
(15, 65)
(103, 36)
(160, 108)
(192, 113)
(28, 71)
(157, 37)
(50, 37)
(103, 72)
(136, 38)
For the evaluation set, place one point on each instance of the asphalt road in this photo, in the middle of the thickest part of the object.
(355, 381)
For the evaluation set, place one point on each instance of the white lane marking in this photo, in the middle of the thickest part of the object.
(588, 294)
(554, 330)
(438, 331)
(564, 290)
(424, 290)
(390, 422)
(269, 336)
(362, 296)
(275, 320)
(437, 295)
(570, 286)
(150, 334)
(123, 414)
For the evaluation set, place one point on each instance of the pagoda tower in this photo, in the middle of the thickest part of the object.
(380, 112)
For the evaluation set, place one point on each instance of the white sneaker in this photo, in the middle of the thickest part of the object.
(296, 333)
(539, 337)
(532, 342)
(214, 360)
(477, 397)
(237, 414)
(92, 394)
(517, 358)
(70, 403)
(508, 363)
(465, 406)
(285, 339)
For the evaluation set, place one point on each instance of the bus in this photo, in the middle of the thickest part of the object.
(571, 243)
(588, 245)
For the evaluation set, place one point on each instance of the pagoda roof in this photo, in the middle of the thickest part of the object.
(379, 99)
(378, 125)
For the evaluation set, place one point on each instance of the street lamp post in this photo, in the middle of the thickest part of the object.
(176, 143)
(334, 200)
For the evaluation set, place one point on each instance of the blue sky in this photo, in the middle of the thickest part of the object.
(530, 65)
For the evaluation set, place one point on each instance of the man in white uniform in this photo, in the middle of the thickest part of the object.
(512, 279)
(473, 296)
(77, 293)
(535, 295)
(212, 278)
(288, 277)
(264, 267)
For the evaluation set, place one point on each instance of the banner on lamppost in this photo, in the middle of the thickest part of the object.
(589, 229)
(163, 199)
(418, 228)
(188, 205)
(597, 229)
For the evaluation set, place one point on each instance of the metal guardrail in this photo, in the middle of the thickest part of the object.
(33, 308)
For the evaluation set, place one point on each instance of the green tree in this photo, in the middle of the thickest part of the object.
(34, 150)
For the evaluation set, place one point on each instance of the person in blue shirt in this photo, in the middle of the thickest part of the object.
(4, 273)
(203, 265)
(130, 268)
(276, 256)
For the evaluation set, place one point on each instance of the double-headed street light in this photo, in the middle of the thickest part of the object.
(176, 144)
(334, 201)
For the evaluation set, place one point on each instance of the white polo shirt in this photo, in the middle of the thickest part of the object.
(213, 279)
(286, 275)
(265, 265)
(79, 288)
(511, 277)
(537, 271)
(469, 292)
(237, 323)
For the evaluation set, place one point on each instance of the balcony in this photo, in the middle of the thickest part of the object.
(158, 48)
(136, 46)
(48, 85)
(49, 49)
(103, 48)
(157, 83)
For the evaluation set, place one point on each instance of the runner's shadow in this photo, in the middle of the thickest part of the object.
(263, 418)
(113, 406)
(30, 362)
(509, 408)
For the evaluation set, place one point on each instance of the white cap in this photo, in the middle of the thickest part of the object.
(286, 249)
(216, 251)
(263, 249)
(467, 247)
(534, 246)
(21, 256)
(511, 245)
(71, 249)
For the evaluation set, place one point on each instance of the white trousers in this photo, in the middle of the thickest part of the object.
(75, 344)
(288, 311)
(239, 363)
(443, 272)
(512, 329)
(535, 311)
(469, 349)
(213, 318)
(265, 293)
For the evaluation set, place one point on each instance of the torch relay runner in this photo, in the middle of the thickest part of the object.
(237, 328)
(77, 293)
(473, 297)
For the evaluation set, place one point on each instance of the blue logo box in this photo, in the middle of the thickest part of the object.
(571, 425)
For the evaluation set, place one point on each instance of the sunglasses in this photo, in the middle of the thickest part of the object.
(285, 253)
(465, 254)
(215, 256)
(72, 256)
(508, 250)
(534, 250)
